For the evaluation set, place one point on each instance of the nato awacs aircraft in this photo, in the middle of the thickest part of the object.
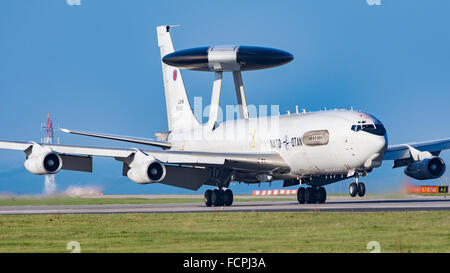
(311, 148)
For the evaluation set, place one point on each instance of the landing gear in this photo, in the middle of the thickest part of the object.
(215, 198)
(208, 201)
(218, 197)
(322, 195)
(301, 196)
(228, 198)
(357, 188)
(311, 195)
(361, 189)
(353, 189)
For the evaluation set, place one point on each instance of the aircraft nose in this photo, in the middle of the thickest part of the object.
(378, 145)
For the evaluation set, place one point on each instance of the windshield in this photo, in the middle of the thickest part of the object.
(376, 129)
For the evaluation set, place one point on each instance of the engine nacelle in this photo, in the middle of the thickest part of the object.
(428, 168)
(146, 169)
(43, 160)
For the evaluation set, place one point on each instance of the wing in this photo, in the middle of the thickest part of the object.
(67, 149)
(402, 151)
(150, 142)
(405, 154)
(185, 162)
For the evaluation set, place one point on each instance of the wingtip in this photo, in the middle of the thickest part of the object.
(65, 130)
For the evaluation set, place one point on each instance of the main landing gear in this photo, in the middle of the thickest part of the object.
(311, 195)
(357, 188)
(218, 197)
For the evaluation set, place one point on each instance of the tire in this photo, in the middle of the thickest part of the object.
(301, 195)
(316, 196)
(208, 201)
(353, 189)
(222, 197)
(310, 195)
(322, 195)
(215, 197)
(361, 189)
(228, 198)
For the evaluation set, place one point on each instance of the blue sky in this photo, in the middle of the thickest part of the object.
(96, 67)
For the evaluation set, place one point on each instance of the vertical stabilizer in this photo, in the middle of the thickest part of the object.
(179, 112)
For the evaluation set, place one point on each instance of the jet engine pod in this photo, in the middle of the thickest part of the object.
(426, 169)
(43, 163)
(227, 58)
(146, 169)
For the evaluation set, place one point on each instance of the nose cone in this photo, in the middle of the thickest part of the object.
(254, 57)
(376, 146)
(380, 143)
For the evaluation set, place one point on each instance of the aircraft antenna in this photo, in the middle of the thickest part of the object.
(47, 127)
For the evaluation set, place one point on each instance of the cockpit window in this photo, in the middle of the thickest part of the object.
(356, 128)
(368, 127)
(376, 129)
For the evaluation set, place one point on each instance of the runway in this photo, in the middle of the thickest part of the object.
(425, 204)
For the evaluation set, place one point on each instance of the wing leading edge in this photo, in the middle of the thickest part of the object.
(403, 151)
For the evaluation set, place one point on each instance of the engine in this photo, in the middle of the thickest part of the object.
(428, 168)
(146, 169)
(43, 160)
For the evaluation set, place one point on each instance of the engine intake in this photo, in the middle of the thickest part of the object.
(428, 168)
(156, 171)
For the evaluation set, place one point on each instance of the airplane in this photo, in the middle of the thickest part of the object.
(307, 148)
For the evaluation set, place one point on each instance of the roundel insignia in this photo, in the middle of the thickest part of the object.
(175, 75)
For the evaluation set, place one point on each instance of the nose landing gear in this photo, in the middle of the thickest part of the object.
(361, 189)
(357, 188)
(353, 189)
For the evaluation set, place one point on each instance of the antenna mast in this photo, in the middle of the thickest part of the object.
(49, 183)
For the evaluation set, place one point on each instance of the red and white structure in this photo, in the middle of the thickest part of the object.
(50, 183)
(274, 192)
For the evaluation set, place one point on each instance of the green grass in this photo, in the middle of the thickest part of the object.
(53, 201)
(228, 232)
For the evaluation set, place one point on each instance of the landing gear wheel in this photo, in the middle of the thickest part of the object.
(322, 195)
(353, 189)
(301, 195)
(208, 201)
(215, 197)
(228, 200)
(310, 195)
(361, 189)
